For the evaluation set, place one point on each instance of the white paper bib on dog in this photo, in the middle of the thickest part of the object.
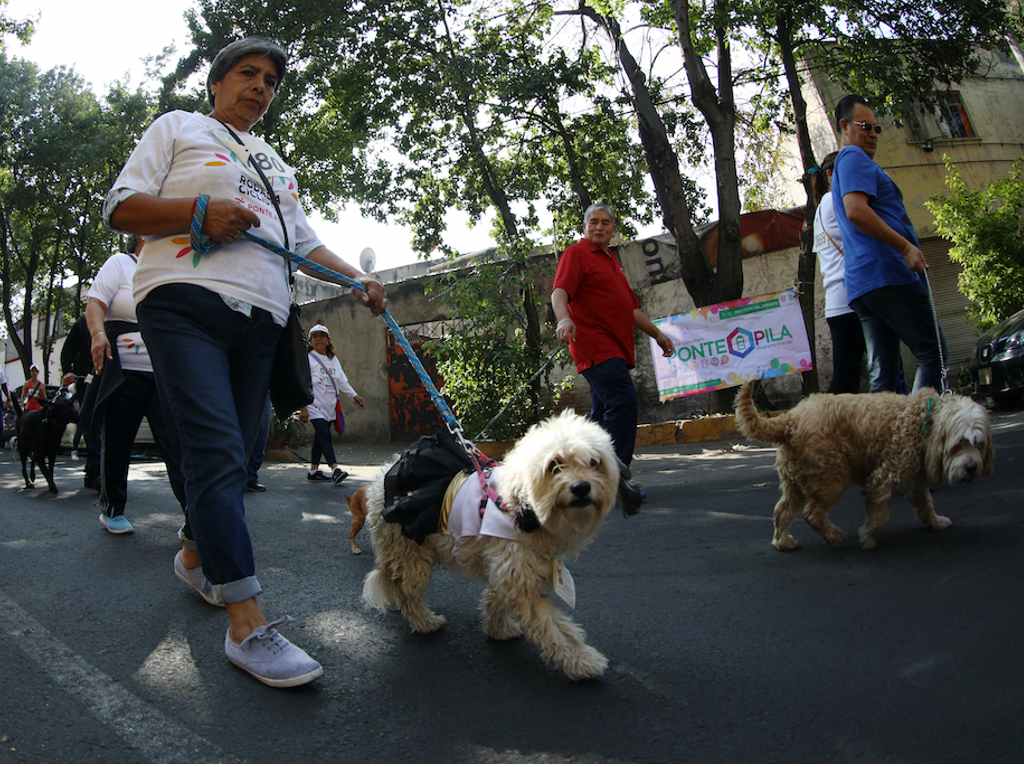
(563, 583)
(464, 520)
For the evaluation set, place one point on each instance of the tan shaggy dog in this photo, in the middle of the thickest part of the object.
(565, 469)
(887, 443)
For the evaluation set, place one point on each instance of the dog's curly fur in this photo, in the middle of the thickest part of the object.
(538, 472)
(887, 443)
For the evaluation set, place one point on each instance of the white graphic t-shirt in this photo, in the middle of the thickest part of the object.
(329, 380)
(185, 154)
(113, 286)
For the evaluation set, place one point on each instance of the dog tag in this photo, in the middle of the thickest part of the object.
(564, 585)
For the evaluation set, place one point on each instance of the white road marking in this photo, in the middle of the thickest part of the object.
(137, 723)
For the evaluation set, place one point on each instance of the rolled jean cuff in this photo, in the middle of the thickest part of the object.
(238, 591)
(186, 543)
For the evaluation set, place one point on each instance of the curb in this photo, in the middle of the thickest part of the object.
(690, 431)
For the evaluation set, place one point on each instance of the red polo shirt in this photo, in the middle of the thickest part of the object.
(601, 304)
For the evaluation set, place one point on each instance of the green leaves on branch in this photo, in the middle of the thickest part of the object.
(986, 227)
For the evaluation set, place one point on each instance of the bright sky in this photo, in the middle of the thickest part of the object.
(106, 40)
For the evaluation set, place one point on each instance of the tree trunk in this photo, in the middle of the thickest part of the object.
(46, 342)
(8, 253)
(572, 159)
(663, 165)
(806, 266)
(719, 111)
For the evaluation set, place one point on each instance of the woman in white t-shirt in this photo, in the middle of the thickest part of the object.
(126, 389)
(329, 383)
(843, 324)
(211, 322)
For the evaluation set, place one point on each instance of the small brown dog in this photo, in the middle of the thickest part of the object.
(357, 507)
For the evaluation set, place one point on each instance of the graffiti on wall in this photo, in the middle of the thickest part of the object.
(411, 413)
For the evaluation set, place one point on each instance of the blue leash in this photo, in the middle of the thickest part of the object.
(203, 245)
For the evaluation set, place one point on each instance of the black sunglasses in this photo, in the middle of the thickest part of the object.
(865, 125)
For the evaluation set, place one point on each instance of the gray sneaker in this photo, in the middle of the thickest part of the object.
(271, 658)
(196, 581)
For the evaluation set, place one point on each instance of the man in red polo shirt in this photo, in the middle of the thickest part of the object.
(598, 314)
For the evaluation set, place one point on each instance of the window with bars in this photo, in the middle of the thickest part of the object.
(953, 119)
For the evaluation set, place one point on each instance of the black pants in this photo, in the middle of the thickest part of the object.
(259, 448)
(322, 444)
(613, 404)
(896, 313)
(847, 353)
(122, 415)
(92, 433)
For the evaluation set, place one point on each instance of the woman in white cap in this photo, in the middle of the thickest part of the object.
(211, 321)
(329, 383)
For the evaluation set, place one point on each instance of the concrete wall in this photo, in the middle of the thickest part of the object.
(652, 267)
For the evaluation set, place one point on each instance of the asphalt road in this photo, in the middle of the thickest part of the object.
(721, 649)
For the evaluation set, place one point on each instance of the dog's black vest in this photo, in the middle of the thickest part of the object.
(414, 487)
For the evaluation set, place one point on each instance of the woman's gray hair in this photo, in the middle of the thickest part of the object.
(231, 53)
(594, 209)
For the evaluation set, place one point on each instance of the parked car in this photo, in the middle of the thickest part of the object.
(998, 367)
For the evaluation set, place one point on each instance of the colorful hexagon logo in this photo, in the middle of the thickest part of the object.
(740, 342)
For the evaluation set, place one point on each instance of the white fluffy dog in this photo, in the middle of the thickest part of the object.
(887, 443)
(566, 471)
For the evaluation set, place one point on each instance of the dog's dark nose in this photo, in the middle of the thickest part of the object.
(972, 469)
(580, 488)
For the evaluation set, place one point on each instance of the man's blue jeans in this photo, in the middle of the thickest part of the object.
(892, 314)
(212, 367)
(613, 404)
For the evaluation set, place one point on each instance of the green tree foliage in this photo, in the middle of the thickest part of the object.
(986, 227)
(62, 149)
(416, 109)
(20, 28)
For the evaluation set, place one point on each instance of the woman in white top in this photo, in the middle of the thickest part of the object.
(329, 383)
(843, 325)
(211, 322)
(126, 389)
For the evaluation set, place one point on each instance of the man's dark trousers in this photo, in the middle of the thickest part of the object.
(613, 404)
(895, 313)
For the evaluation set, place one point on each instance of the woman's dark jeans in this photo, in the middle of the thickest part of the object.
(123, 412)
(322, 444)
(892, 314)
(847, 352)
(212, 367)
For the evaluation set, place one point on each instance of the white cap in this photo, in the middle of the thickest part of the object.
(320, 329)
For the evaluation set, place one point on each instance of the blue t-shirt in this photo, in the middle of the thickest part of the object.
(869, 263)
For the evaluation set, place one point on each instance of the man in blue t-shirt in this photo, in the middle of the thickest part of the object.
(884, 266)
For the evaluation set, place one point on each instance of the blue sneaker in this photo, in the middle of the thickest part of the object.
(117, 524)
(196, 581)
(271, 658)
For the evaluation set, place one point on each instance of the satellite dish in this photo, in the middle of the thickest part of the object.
(367, 260)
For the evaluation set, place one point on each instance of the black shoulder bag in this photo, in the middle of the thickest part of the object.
(291, 382)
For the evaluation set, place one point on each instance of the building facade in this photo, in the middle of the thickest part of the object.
(976, 125)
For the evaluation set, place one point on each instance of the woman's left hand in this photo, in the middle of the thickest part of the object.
(359, 401)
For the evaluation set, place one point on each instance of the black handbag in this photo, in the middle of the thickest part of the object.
(291, 381)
